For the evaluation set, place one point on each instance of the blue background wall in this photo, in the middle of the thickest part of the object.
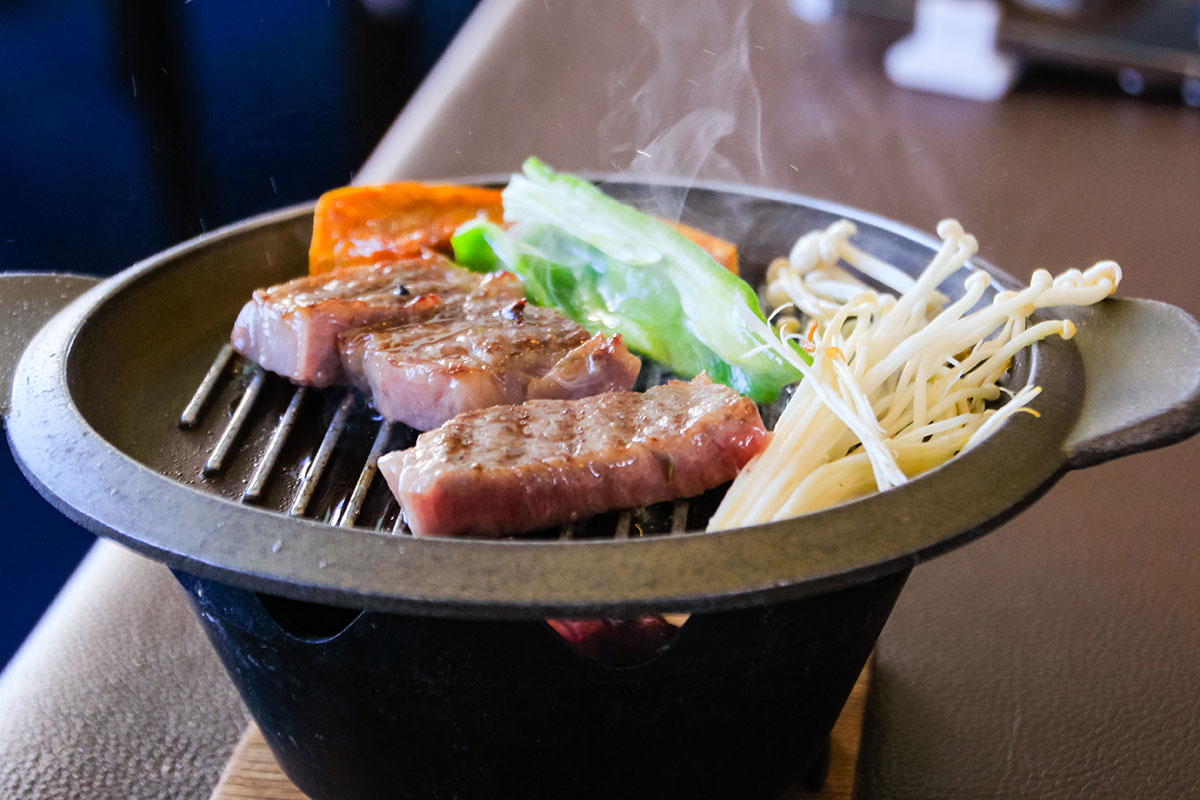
(128, 126)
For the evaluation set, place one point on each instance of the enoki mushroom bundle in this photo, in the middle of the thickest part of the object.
(893, 384)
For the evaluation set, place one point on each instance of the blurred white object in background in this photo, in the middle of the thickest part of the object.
(1064, 7)
(952, 50)
(812, 10)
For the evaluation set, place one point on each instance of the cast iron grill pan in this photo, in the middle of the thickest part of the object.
(99, 393)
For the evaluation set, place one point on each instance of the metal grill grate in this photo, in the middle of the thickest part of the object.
(313, 453)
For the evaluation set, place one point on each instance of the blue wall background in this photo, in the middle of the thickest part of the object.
(128, 126)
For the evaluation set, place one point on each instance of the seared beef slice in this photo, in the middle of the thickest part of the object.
(493, 349)
(508, 469)
(427, 340)
(292, 329)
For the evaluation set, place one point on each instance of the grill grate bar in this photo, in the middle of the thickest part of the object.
(258, 481)
(266, 458)
(191, 414)
(350, 514)
(309, 483)
(679, 516)
(216, 461)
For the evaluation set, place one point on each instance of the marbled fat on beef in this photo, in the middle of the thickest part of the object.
(292, 328)
(508, 469)
(427, 340)
(493, 350)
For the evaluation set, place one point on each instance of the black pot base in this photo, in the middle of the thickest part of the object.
(363, 705)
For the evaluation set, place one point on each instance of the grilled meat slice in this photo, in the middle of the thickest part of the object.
(492, 350)
(616, 642)
(292, 328)
(508, 469)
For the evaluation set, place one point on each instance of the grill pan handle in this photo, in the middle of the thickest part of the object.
(27, 301)
(1141, 362)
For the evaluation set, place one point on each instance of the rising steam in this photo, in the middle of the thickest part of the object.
(683, 117)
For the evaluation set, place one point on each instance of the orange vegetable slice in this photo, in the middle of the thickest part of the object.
(357, 225)
(723, 252)
(371, 224)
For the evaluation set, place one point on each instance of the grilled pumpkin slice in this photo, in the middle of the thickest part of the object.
(357, 225)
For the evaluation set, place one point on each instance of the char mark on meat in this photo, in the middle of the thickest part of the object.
(492, 349)
(427, 340)
(515, 468)
(292, 329)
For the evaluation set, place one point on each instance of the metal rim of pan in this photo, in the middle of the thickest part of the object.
(113, 495)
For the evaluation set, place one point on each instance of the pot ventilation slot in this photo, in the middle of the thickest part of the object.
(309, 622)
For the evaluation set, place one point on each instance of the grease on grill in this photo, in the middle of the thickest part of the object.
(254, 437)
